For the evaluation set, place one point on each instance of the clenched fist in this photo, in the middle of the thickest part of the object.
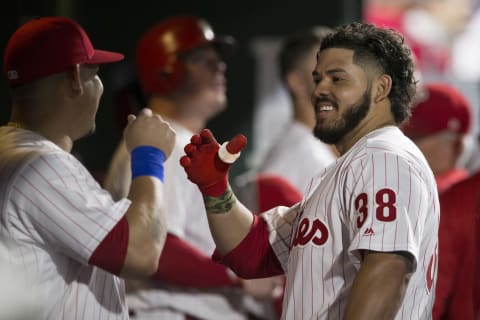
(148, 129)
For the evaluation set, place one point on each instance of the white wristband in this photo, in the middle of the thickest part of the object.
(226, 156)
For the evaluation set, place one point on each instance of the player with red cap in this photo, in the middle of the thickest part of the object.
(66, 234)
(181, 68)
(458, 289)
(441, 118)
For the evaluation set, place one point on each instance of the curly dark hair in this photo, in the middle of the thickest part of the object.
(384, 49)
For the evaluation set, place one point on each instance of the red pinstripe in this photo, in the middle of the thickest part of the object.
(61, 194)
(46, 215)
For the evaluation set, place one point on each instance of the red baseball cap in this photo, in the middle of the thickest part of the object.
(440, 107)
(45, 46)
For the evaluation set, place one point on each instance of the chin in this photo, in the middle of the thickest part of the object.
(91, 131)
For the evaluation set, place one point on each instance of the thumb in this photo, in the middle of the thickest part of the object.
(236, 144)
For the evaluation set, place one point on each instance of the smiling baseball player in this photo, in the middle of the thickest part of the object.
(363, 242)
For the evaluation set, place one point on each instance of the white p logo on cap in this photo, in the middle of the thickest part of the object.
(12, 74)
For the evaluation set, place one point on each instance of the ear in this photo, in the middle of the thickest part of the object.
(295, 83)
(458, 146)
(382, 86)
(75, 81)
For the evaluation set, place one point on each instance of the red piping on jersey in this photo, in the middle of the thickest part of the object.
(261, 262)
(111, 252)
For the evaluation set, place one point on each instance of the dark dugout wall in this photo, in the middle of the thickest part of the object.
(117, 25)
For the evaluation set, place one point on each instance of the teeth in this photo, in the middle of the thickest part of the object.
(326, 108)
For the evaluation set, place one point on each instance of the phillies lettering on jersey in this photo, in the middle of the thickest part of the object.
(314, 231)
(377, 197)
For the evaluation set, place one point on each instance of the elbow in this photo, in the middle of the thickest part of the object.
(142, 262)
(151, 256)
(149, 265)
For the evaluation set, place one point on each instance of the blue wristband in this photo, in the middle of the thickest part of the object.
(147, 161)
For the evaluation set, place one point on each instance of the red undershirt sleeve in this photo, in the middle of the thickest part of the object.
(110, 253)
(253, 257)
(183, 265)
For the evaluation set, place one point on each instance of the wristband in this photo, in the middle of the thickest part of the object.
(147, 161)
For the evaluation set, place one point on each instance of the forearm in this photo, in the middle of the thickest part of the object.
(147, 227)
(379, 287)
(229, 220)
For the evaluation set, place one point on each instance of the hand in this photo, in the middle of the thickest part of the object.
(148, 129)
(265, 288)
(204, 167)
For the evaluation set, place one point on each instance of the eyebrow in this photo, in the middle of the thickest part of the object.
(330, 71)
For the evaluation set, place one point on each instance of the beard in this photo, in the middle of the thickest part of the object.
(349, 120)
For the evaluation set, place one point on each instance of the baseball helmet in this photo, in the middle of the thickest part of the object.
(157, 56)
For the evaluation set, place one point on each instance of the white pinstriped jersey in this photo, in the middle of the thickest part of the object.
(54, 215)
(381, 196)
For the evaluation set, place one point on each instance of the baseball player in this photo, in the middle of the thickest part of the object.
(296, 61)
(457, 294)
(363, 243)
(59, 229)
(180, 64)
(441, 119)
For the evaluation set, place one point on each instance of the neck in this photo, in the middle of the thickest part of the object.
(367, 125)
(49, 129)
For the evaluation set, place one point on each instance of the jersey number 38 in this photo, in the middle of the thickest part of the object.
(385, 209)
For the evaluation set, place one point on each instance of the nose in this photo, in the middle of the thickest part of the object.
(321, 88)
(219, 66)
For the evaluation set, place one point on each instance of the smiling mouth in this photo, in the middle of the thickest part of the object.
(324, 108)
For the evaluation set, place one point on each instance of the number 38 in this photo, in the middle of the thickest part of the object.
(385, 200)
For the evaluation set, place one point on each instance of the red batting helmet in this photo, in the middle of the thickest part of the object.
(158, 65)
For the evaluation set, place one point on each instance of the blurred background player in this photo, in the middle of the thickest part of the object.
(297, 155)
(440, 121)
(181, 68)
(457, 295)
(59, 230)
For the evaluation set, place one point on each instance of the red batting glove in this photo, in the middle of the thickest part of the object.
(203, 165)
